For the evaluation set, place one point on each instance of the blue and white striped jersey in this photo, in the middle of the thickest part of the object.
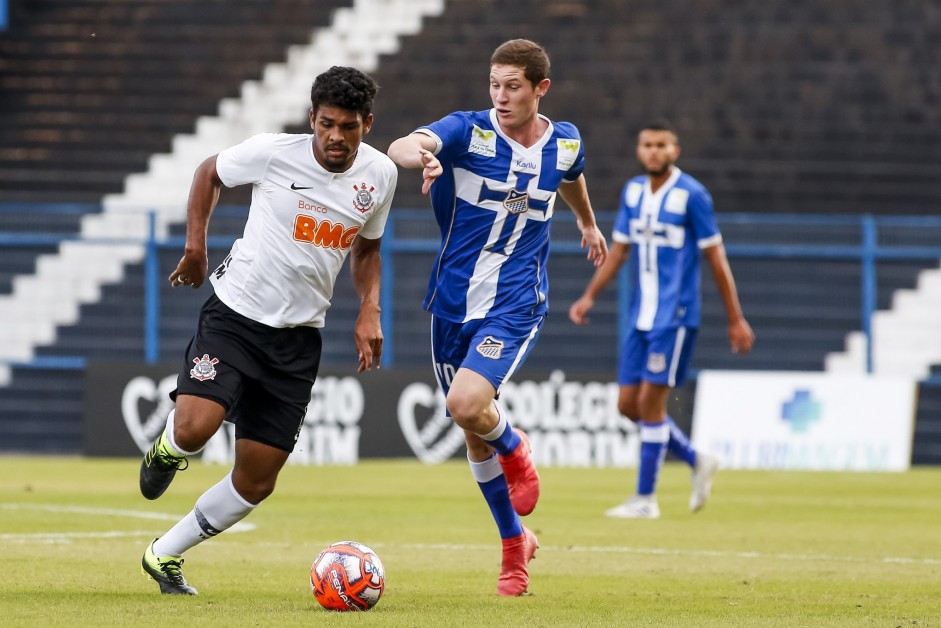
(493, 204)
(666, 231)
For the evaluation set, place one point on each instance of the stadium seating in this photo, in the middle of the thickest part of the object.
(906, 338)
(795, 107)
(92, 88)
(356, 37)
(926, 446)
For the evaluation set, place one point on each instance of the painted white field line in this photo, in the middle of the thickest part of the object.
(87, 510)
(659, 551)
(68, 536)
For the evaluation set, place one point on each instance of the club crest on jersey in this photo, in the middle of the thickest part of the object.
(205, 368)
(483, 142)
(516, 202)
(656, 363)
(491, 348)
(363, 201)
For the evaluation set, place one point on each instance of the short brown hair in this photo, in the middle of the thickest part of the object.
(525, 54)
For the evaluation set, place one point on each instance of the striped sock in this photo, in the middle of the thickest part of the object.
(218, 509)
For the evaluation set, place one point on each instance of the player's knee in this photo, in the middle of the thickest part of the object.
(651, 407)
(253, 491)
(195, 420)
(464, 409)
(629, 409)
(190, 435)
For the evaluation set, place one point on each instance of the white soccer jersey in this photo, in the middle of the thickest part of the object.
(301, 224)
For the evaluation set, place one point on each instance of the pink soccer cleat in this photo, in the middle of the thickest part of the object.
(517, 552)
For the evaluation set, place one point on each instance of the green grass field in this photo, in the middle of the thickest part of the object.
(771, 549)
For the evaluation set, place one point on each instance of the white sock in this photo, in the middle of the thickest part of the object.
(216, 510)
(497, 431)
(486, 470)
(171, 440)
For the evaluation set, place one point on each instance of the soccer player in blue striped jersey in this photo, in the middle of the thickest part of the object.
(493, 177)
(664, 226)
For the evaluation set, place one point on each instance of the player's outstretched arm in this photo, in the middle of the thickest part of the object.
(415, 151)
(204, 194)
(575, 194)
(578, 312)
(741, 336)
(366, 268)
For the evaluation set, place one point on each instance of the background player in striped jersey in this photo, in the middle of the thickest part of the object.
(493, 177)
(253, 361)
(665, 224)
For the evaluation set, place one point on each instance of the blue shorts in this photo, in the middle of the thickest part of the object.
(492, 347)
(660, 356)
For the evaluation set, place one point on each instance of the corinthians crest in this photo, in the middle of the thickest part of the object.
(363, 200)
(205, 368)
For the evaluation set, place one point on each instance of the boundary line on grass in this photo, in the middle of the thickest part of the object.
(658, 551)
(54, 537)
(66, 536)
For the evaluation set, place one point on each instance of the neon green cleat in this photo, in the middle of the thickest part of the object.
(158, 468)
(167, 571)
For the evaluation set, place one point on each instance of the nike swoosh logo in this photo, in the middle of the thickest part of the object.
(295, 186)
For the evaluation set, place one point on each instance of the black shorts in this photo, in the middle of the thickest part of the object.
(262, 375)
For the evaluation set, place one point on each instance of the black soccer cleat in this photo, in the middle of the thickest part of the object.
(167, 571)
(158, 468)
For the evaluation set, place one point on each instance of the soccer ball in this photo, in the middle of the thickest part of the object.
(347, 576)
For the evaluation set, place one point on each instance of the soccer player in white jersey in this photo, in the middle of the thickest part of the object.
(316, 199)
(664, 225)
(493, 177)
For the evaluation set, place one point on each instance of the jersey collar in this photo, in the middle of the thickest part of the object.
(517, 147)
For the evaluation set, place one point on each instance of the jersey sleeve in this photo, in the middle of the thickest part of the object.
(703, 219)
(449, 132)
(375, 225)
(246, 162)
(570, 151)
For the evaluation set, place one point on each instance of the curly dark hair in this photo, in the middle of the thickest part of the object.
(344, 87)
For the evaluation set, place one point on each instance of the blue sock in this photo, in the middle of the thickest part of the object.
(679, 444)
(492, 484)
(503, 439)
(653, 447)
